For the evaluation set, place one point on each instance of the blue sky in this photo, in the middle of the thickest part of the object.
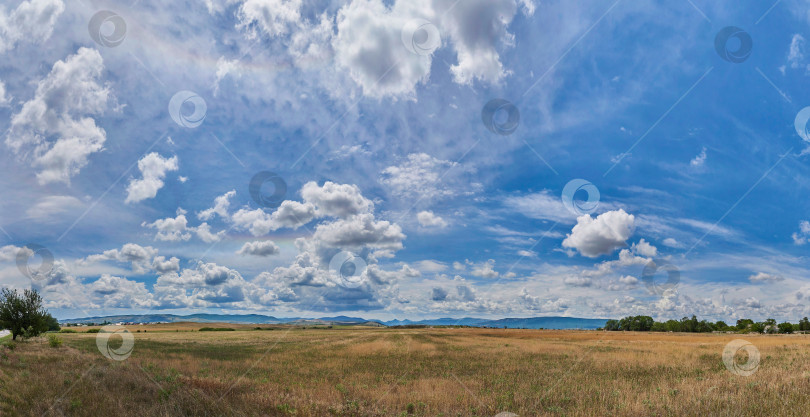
(370, 111)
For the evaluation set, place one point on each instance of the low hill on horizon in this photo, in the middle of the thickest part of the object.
(552, 322)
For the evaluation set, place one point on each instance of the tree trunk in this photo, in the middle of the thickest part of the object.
(13, 336)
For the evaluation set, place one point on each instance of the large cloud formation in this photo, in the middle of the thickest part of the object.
(32, 21)
(345, 221)
(600, 236)
(363, 39)
(54, 129)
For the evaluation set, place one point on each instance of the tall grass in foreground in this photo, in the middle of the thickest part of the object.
(383, 372)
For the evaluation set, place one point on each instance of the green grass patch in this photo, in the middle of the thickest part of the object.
(205, 351)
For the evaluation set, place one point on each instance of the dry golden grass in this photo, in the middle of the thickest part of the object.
(356, 372)
(182, 326)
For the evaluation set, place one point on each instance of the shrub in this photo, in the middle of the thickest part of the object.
(30, 332)
(54, 341)
(75, 404)
(67, 331)
(93, 330)
(217, 329)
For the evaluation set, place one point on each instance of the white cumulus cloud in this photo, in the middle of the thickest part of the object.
(259, 248)
(765, 277)
(428, 219)
(54, 129)
(32, 21)
(153, 169)
(602, 235)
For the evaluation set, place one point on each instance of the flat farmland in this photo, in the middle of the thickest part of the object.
(175, 369)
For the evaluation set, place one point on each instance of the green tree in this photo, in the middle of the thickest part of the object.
(785, 327)
(636, 323)
(673, 326)
(22, 314)
(743, 324)
(53, 323)
(689, 325)
(645, 323)
(692, 325)
(770, 326)
(704, 327)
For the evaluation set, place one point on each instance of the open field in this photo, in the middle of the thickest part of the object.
(355, 372)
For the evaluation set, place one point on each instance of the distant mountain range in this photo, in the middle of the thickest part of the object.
(558, 323)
